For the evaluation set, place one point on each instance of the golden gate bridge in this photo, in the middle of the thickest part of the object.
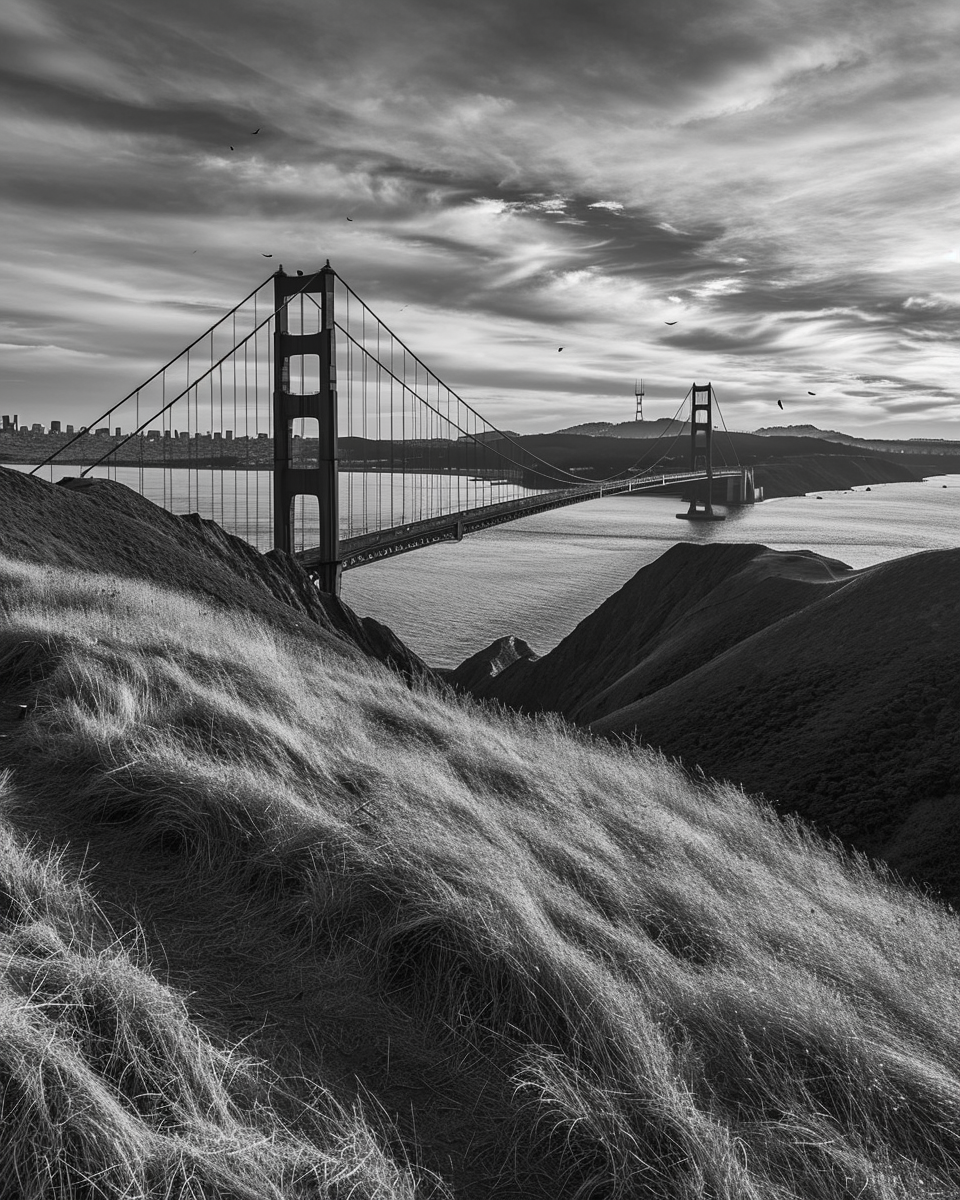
(301, 421)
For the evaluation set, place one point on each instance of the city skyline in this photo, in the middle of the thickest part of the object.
(755, 194)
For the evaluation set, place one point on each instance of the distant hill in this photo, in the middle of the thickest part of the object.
(830, 435)
(935, 446)
(834, 692)
(628, 429)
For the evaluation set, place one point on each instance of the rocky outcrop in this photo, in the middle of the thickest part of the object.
(488, 663)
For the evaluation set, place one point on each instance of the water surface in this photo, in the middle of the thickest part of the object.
(539, 576)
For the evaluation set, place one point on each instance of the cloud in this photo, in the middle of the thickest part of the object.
(783, 179)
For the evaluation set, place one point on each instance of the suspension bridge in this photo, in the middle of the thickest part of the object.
(300, 421)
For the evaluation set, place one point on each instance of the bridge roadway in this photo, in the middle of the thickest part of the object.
(399, 539)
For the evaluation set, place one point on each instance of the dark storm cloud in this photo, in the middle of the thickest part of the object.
(203, 124)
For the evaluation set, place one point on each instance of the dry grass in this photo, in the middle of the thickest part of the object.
(594, 976)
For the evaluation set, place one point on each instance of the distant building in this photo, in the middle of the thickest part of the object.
(37, 428)
(10, 423)
(69, 429)
(103, 432)
(55, 427)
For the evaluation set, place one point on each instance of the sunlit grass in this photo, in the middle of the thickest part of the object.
(674, 993)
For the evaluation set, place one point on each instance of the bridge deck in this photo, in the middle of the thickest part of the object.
(399, 539)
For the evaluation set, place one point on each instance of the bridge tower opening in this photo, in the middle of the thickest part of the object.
(319, 481)
(701, 455)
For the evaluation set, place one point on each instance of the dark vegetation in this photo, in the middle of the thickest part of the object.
(835, 693)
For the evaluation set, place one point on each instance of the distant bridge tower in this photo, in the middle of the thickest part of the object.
(701, 455)
(290, 481)
(638, 393)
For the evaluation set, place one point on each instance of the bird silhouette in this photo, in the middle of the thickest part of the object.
(255, 132)
(559, 348)
(669, 322)
(780, 403)
(811, 393)
(349, 218)
(231, 147)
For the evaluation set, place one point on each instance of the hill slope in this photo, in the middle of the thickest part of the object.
(102, 526)
(556, 967)
(834, 692)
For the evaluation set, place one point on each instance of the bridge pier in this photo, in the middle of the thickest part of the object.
(743, 490)
(701, 456)
(321, 481)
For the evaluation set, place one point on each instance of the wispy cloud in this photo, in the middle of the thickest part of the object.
(781, 180)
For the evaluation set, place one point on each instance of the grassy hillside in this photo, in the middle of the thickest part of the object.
(832, 691)
(457, 941)
(100, 525)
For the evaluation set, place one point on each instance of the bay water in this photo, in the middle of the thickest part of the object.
(539, 576)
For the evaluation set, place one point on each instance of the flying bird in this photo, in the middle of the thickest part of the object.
(780, 402)
(811, 393)
(559, 348)
(255, 132)
(262, 255)
(349, 218)
(669, 322)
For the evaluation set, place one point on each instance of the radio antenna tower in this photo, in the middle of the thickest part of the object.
(638, 392)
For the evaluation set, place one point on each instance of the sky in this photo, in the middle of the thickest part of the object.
(780, 178)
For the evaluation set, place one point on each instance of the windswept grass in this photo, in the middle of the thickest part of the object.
(108, 1088)
(560, 967)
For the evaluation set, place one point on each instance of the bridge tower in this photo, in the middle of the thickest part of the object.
(638, 393)
(290, 481)
(701, 455)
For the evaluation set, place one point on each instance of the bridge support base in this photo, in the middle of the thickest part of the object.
(743, 490)
(701, 514)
